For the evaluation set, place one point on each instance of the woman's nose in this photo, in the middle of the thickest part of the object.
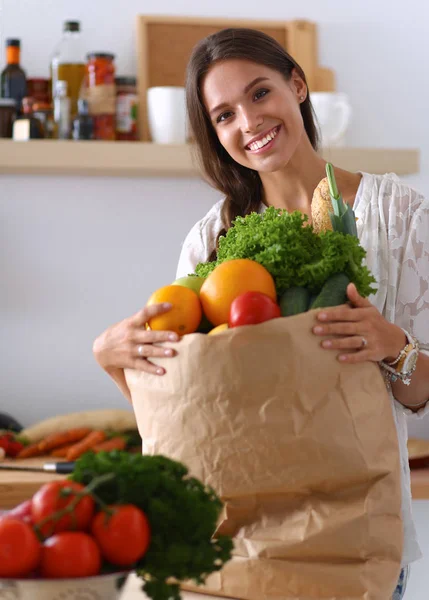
(250, 120)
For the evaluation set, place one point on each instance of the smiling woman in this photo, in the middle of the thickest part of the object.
(250, 114)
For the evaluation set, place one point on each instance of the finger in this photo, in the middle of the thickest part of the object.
(355, 298)
(149, 350)
(147, 367)
(141, 336)
(347, 343)
(147, 312)
(340, 328)
(356, 357)
(342, 313)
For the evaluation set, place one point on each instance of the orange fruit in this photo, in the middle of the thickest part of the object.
(229, 280)
(185, 315)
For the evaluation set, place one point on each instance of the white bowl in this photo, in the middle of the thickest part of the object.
(99, 587)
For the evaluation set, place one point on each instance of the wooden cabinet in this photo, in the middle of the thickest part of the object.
(164, 45)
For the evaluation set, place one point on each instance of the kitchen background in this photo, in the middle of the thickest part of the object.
(81, 253)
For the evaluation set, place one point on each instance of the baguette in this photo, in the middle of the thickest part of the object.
(106, 419)
(321, 206)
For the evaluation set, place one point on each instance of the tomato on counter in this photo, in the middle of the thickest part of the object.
(55, 496)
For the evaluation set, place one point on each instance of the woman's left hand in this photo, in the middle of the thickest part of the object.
(361, 332)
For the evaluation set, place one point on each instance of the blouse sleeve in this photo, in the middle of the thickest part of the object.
(193, 252)
(411, 249)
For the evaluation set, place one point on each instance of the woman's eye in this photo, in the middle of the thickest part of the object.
(223, 117)
(260, 94)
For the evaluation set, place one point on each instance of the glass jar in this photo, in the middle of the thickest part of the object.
(126, 109)
(44, 111)
(100, 93)
(7, 116)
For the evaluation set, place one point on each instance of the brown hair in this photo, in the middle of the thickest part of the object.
(241, 186)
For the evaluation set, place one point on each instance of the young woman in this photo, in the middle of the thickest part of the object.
(250, 112)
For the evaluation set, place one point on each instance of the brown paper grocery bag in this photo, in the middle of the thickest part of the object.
(302, 449)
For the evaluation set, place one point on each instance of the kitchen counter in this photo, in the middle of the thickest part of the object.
(17, 486)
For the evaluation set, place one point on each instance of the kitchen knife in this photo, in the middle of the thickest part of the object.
(63, 468)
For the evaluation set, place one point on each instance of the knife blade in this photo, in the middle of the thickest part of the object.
(62, 468)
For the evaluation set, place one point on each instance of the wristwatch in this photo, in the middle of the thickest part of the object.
(405, 363)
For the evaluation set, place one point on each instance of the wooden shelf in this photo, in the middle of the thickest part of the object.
(144, 159)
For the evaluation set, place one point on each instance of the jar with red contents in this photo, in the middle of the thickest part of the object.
(100, 93)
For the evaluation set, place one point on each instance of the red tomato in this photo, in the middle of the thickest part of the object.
(70, 554)
(21, 511)
(20, 550)
(51, 498)
(124, 537)
(251, 308)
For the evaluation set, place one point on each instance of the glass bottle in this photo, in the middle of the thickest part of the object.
(62, 104)
(13, 79)
(27, 126)
(83, 124)
(68, 63)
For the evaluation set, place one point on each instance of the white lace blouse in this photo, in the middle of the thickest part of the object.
(393, 227)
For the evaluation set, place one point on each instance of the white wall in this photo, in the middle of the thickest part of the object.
(81, 254)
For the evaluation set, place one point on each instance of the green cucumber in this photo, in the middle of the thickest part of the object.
(333, 292)
(294, 301)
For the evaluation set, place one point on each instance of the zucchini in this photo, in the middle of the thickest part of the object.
(333, 292)
(294, 301)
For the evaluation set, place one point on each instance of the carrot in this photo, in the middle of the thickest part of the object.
(115, 443)
(88, 443)
(55, 440)
(62, 451)
(30, 451)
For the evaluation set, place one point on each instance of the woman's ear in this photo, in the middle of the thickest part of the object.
(298, 85)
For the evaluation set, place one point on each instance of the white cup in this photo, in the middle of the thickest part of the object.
(166, 109)
(333, 113)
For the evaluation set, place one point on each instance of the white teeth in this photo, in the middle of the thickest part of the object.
(261, 143)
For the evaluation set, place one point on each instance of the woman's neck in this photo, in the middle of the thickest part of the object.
(292, 187)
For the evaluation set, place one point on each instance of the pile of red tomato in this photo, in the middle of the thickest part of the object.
(34, 544)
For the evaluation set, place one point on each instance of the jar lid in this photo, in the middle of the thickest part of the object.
(106, 55)
(4, 102)
(13, 42)
(126, 81)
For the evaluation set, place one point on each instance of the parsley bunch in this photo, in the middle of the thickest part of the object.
(292, 252)
(182, 513)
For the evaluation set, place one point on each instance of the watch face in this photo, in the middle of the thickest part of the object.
(410, 361)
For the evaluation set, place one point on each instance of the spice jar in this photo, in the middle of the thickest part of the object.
(126, 109)
(7, 116)
(100, 93)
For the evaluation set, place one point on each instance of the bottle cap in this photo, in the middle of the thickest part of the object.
(13, 42)
(71, 26)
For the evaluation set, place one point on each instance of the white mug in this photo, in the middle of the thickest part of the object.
(166, 110)
(333, 113)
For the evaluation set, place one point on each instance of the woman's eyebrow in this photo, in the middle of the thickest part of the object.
(246, 89)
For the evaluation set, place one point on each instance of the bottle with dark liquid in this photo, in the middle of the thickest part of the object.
(27, 126)
(13, 80)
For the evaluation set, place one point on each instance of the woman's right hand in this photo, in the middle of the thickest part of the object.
(129, 345)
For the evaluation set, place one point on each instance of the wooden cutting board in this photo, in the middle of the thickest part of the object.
(17, 486)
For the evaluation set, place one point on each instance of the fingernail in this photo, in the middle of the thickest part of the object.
(160, 371)
(322, 316)
(342, 357)
(167, 305)
(173, 336)
(326, 344)
(318, 329)
(168, 352)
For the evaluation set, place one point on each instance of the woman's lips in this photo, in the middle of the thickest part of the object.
(267, 146)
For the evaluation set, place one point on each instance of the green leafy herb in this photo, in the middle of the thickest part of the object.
(182, 512)
(292, 252)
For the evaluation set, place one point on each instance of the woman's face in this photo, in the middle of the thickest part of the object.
(255, 112)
